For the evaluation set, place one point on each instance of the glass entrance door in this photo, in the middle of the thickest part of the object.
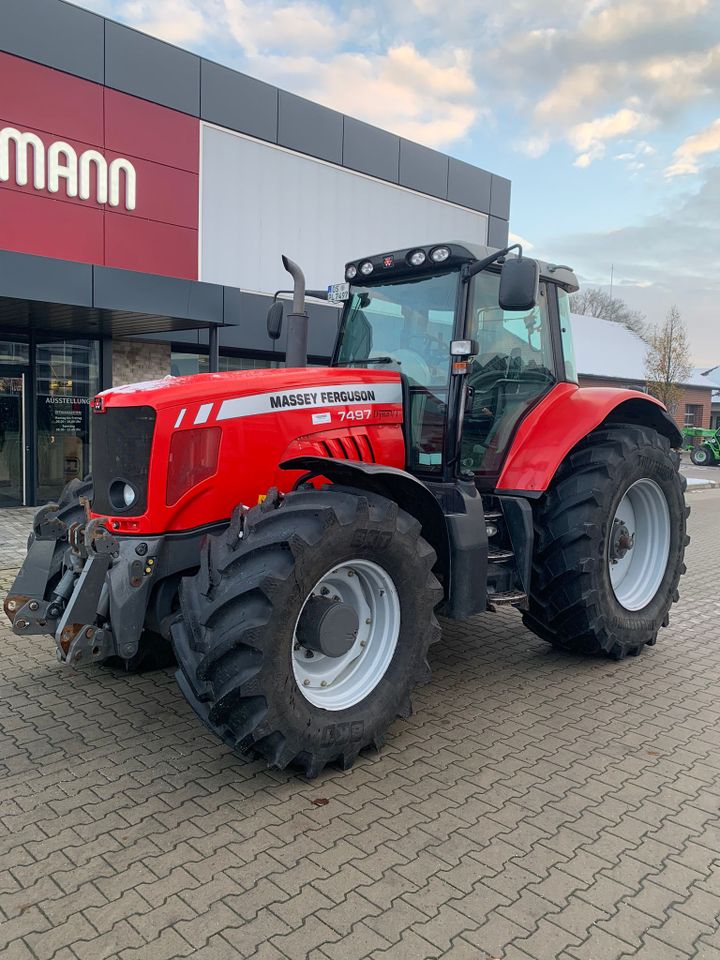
(12, 436)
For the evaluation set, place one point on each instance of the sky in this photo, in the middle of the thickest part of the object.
(605, 115)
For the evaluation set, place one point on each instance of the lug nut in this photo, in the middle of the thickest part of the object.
(323, 683)
(351, 573)
(368, 620)
(306, 683)
(324, 591)
(309, 654)
(363, 643)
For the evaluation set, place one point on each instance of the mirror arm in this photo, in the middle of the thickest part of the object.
(480, 265)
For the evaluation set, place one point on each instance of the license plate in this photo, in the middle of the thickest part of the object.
(337, 292)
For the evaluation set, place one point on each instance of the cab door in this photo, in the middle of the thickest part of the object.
(515, 366)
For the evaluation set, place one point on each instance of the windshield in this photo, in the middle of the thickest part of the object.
(408, 325)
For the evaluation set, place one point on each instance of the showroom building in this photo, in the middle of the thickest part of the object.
(146, 196)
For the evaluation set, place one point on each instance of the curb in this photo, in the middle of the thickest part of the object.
(694, 485)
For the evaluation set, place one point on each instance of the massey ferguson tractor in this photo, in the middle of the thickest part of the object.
(292, 533)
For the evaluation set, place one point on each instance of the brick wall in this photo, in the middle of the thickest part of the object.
(135, 360)
(690, 395)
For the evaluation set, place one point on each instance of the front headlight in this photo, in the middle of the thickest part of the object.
(122, 495)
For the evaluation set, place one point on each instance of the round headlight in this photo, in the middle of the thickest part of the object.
(351, 272)
(366, 268)
(122, 494)
(440, 254)
(417, 258)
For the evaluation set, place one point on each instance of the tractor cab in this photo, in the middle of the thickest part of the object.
(471, 367)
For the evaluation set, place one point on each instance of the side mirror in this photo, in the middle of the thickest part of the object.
(519, 280)
(274, 320)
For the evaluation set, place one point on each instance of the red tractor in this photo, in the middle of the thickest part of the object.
(293, 533)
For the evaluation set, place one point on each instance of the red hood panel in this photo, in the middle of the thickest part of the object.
(262, 417)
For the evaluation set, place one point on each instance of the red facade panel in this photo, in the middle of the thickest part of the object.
(151, 247)
(31, 224)
(146, 158)
(149, 131)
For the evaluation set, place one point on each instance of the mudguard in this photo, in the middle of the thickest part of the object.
(561, 419)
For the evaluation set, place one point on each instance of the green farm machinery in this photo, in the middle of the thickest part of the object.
(704, 445)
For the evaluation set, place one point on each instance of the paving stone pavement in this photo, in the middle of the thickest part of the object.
(535, 806)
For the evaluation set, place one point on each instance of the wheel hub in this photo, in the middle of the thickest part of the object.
(327, 626)
(622, 541)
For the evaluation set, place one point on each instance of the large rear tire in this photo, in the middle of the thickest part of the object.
(610, 537)
(243, 668)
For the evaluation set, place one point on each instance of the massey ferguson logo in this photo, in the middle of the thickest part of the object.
(60, 167)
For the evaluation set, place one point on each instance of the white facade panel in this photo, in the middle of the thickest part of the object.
(259, 201)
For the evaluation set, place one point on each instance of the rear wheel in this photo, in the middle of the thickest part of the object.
(308, 625)
(701, 456)
(610, 536)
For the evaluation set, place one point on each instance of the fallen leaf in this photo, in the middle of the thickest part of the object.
(320, 801)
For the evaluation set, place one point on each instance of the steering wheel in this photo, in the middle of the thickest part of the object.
(413, 365)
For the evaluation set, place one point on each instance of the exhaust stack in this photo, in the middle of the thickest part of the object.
(297, 331)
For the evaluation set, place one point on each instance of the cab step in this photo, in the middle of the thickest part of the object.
(499, 555)
(510, 598)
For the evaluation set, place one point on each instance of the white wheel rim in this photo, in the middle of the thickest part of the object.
(636, 576)
(336, 683)
(700, 456)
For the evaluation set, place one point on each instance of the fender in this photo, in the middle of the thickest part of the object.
(395, 484)
(561, 419)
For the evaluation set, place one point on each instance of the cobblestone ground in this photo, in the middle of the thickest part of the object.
(535, 806)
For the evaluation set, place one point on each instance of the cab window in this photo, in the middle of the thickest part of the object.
(514, 366)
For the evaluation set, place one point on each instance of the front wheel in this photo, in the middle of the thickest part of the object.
(701, 456)
(610, 537)
(308, 625)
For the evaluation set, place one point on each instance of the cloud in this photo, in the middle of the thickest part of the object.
(589, 139)
(433, 100)
(295, 28)
(177, 21)
(686, 157)
(534, 147)
(668, 257)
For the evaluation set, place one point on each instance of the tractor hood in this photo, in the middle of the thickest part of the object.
(181, 453)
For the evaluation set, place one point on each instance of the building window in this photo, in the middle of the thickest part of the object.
(183, 364)
(693, 414)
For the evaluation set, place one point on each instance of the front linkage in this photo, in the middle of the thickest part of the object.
(91, 590)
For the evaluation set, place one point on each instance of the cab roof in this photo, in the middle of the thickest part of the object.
(396, 262)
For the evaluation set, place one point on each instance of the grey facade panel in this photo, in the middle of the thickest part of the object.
(245, 321)
(238, 102)
(500, 197)
(164, 296)
(469, 186)
(42, 278)
(309, 128)
(370, 150)
(246, 327)
(497, 232)
(55, 34)
(148, 68)
(423, 169)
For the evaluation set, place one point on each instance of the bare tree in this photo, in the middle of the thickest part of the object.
(594, 302)
(667, 362)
